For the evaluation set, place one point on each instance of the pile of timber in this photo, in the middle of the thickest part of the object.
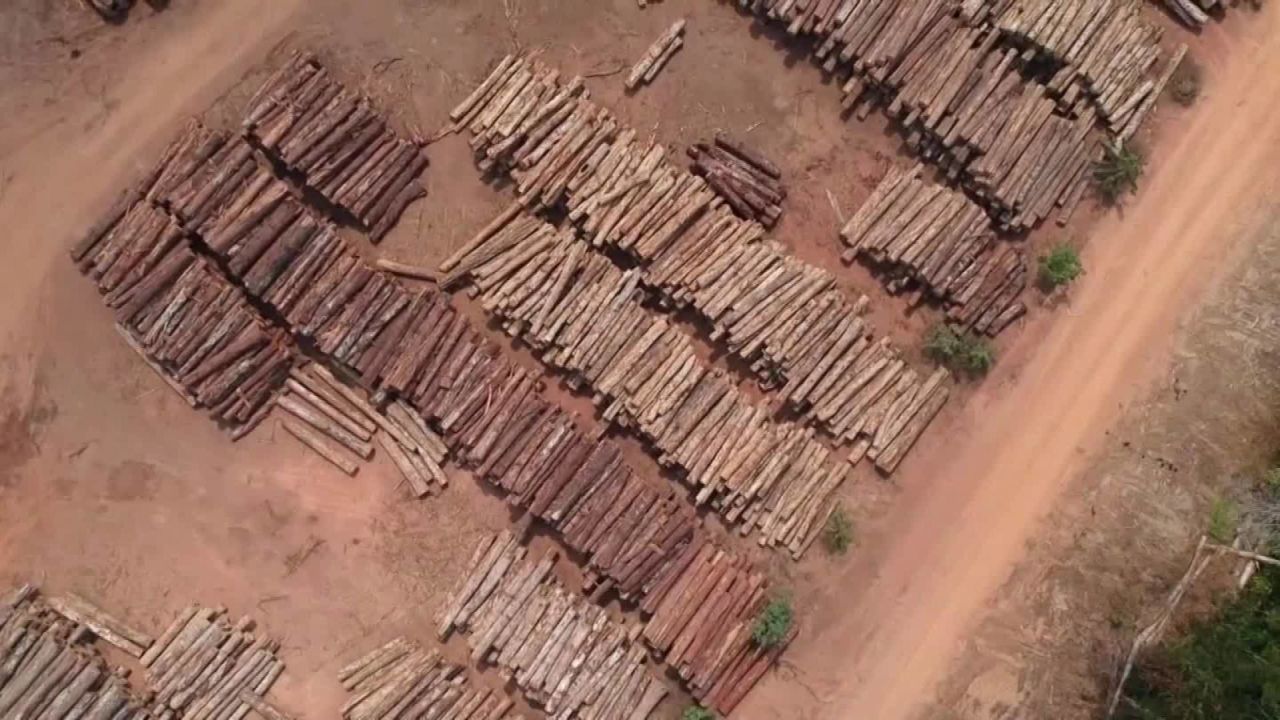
(339, 146)
(206, 667)
(656, 57)
(402, 680)
(701, 620)
(742, 177)
(564, 653)
(1193, 13)
(923, 233)
(785, 317)
(190, 324)
(581, 313)
(341, 426)
(1102, 50)
(47, 670)
(959, 96)
(201, 667)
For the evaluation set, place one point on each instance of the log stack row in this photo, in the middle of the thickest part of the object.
(336, 143)
(564, 653)
(190, 324)
(201, 668)
(927, 235)
(1102, 50)
(581, 312)
(46, 670)
(786, 317)
(959, 96)
(702, 620)
(206, 667)
(402, 680)
(742, 177)
(1193, 13)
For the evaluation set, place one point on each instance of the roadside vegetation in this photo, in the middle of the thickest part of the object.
(1059, 268)
(773, 623)
(959, 350)
(697, 712)
(1184, 86)
(838, 534)
(1225, 666)
(1117, 173)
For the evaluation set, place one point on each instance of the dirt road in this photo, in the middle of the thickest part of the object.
(972, 503)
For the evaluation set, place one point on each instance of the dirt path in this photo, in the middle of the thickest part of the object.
(970, 504)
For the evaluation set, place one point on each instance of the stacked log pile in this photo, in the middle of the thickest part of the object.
(201, 667)
(401, 679)
(190, 324)
(579, 310)
(741, 177)
(936, 237)
(1104, 50)
(336, 143)
(785, 317)
(47, 671)
(701, 619)
(564, 653)
(962, 97)
(205, 666)
(656, 57)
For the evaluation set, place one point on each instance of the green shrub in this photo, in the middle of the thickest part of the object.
(773, 623)
(1184, 86)
(958, 350)
(1226, 667)
(1118, 171)
(838, 534)
(697, 712)
(1223, 520)
(1060, 267)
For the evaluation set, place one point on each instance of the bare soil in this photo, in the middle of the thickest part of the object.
(112, 486)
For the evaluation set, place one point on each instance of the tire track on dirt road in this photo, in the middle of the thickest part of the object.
(972, 499)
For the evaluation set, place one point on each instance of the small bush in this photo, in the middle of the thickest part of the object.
(1184, 87)
(773, 623)
(1223, 520)
(838, 534)
(959, 350)
(1271, 480)
(1060, 267)
(697, 712)
(1117, 173)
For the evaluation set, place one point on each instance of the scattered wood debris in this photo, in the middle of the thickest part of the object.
(936, 237)
(337, 143)
(656, 57)
(578, 310)
(742, 177)
(400, 679)
(785, 317)
(563, 652)
(200, 667)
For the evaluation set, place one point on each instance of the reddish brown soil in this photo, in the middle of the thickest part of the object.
(113, 487)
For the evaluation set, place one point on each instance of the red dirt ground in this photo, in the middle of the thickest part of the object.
(113, 487)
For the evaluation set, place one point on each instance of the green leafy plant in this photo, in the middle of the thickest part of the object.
(1223, 520)
(838, 533)
(697, 712)
(1226, 667)
(1060, 267)
(959, 350)
(773, 623)
(1118, 171)
(1184, 86)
